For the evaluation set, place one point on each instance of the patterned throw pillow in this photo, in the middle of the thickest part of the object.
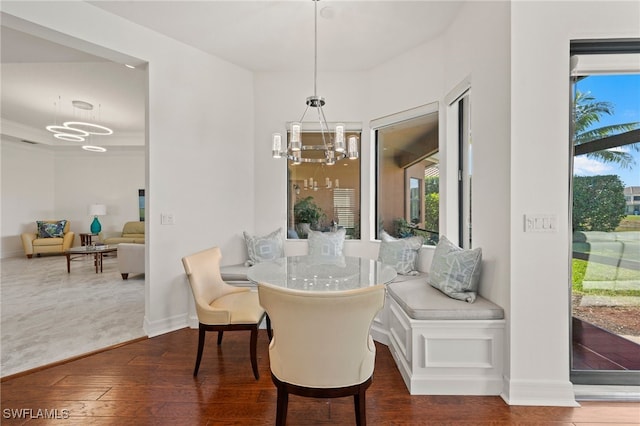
(51, 229)
(261, 249)
(326, 243)
(455, 271)
(401, 253)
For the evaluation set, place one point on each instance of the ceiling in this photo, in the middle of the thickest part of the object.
(279, 35)
(40, 78)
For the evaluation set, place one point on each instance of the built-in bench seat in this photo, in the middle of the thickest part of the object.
(441, 346)
(444, 346)
(236, 275)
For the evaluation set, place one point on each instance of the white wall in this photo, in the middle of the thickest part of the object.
(200, 114)
(541, 32)
(111, 178)
(28, 192)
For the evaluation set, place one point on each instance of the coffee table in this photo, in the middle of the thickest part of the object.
(97, 251)
(321, 273)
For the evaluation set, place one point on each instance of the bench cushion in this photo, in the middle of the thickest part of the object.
(234, 272)
(423, 302)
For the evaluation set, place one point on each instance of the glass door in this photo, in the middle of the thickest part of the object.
(605, 288)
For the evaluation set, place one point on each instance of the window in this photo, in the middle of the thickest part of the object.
(462, 106)
(407, 174)
(323, 197)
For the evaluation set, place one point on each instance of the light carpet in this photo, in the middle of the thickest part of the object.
(49, 315)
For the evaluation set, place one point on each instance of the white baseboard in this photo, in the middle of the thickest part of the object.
(539, 393)
(165, 325)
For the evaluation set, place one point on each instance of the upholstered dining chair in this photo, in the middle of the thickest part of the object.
(222, 307)
(321, 345)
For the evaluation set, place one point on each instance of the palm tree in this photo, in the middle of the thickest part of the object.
(587, 112)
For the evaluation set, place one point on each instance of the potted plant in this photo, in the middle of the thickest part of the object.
(306, 211)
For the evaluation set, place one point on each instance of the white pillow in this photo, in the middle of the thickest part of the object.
(401, 253)
(326, 243)
(266, 248)
(455, 271)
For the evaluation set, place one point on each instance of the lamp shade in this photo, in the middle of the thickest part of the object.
(97, 210)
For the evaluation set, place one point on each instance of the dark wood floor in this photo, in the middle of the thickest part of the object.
(150, 382)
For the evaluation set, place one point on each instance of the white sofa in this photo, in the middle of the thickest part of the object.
(130, 259)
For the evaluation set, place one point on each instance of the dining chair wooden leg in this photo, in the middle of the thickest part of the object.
(269, 330)
(201, 334)
(220, 332)
(360, 408)
(282, 405)
(254, 351)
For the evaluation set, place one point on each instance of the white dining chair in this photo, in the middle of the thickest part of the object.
(321, 345)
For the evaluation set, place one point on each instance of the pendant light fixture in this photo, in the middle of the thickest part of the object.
(334, 146)
(79, 131)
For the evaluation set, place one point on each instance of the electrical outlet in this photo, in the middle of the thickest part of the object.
(540, 223)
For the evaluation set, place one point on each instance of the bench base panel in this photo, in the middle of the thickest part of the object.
(447, 357)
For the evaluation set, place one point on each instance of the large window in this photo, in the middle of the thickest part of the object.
(407, 181)
(322, 197)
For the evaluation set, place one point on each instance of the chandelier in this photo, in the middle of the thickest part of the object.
(79, 131)
(333, 145)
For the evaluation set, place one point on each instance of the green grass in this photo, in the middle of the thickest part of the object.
(629, 223)
(579, 267)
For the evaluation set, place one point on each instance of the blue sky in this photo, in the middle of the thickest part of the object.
(623, 91)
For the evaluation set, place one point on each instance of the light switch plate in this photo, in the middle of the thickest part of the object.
(540, 223)
(167, 219)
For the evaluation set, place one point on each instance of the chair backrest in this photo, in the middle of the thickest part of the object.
(321, 339)
(203, 271)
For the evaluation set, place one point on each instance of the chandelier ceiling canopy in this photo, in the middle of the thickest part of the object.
(334, 146)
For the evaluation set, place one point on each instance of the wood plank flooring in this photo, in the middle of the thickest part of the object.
(150, 382)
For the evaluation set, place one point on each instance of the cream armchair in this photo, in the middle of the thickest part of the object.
(222, 307)
(36, 242)
(321, 345)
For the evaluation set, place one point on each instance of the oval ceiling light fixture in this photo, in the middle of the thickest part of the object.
(77, 131)
(67, 131)
(69, 137)
(90, 128)
(92, 148)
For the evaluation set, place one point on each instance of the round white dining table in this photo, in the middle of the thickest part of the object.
(321, 273)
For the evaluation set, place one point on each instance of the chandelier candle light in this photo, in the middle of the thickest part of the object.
(334, 146)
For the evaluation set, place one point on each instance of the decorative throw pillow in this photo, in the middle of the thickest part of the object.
(51, 229)
(401, 253)
(326, 243)
(261, 249)
(455, 271)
